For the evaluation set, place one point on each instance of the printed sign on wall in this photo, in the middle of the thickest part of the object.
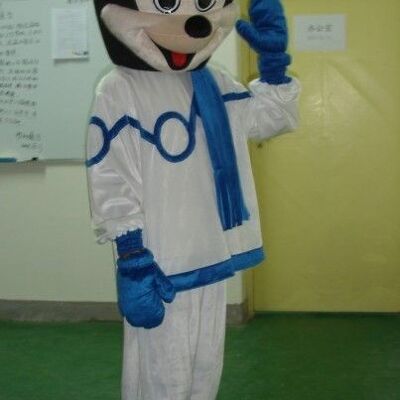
(322, 32)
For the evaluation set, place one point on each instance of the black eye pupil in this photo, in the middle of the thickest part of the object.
(167, 4)
(204, 4)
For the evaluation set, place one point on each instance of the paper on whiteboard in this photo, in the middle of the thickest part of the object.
(70, 33)
(321, 32)
(22, 37)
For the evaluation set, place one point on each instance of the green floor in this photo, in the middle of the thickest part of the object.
(275, 357)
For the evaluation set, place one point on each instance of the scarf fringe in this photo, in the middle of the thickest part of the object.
(211, 108)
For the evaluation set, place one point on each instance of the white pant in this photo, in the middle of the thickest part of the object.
(181, 359)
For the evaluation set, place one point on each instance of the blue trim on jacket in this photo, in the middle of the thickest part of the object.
(235, 96)
(155, 138)
(217, 272)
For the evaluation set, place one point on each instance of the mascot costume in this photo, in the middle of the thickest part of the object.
(170, 179)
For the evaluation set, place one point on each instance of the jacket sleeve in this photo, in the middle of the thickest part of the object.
(264, 110)
(272, 109)
(113, 170)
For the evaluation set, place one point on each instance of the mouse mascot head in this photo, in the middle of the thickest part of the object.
(164, 35)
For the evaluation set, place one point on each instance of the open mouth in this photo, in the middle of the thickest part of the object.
(176, 61)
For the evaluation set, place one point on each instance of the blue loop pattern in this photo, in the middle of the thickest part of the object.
(155, 138)
(190, 129)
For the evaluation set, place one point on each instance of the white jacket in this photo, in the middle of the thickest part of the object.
(148, 169)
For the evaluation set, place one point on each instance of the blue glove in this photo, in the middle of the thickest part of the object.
(142, 286)
(267, 35)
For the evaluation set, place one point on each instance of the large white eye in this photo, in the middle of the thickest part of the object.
(167, 6)
(205, 5)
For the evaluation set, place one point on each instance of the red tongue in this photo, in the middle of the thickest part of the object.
(179, 59)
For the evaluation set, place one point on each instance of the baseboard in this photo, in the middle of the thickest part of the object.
(53, 311)
(47, 311)
(329, 313)
(237, 314)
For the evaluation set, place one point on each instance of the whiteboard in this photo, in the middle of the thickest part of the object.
(44, 101)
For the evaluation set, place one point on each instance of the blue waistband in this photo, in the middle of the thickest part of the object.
(217, 272)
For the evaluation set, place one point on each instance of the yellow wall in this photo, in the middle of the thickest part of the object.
(330, 193)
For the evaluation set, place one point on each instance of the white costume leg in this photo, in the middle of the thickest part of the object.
(181, 359)
(209, 358)
(130, 367)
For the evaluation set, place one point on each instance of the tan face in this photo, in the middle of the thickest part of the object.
(171, 35)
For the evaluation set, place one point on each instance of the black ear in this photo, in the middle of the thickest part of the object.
(127, 3)
(99, 4)
(118, 52)
(227, 2)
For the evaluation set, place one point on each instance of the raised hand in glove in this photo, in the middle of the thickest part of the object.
(267, 34)
(142, 286)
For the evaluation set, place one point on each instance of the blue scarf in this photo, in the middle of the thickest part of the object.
(211, 108)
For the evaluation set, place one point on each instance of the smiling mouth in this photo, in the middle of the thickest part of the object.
(176, 61)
